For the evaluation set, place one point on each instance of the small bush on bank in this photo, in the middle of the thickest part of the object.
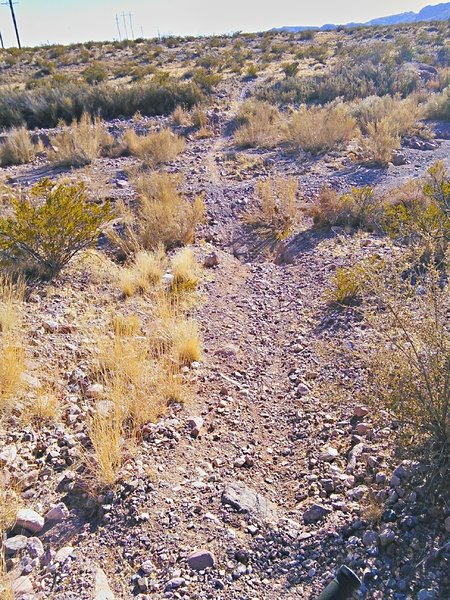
(18, 148)
(259, 125)
(357, 208)
(316, 129)
(46, 230)
(438, 106)
(155, 148)
(276, 213)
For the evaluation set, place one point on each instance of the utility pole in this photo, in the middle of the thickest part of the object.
(118, 27)
(125, 25)
(131, 26)
(11, 6)
(1, 40)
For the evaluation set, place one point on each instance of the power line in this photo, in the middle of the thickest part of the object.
(11, 6)
(118, 27)
(131, 26)
(125, 25)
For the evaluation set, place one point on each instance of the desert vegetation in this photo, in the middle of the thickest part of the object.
(224, 304)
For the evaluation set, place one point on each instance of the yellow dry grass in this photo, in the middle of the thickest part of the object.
(185, 270)
(155, 148)
(18, 148)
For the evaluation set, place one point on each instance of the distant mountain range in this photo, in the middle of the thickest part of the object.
(437, 12)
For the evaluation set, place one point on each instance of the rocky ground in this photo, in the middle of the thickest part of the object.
(266, 482)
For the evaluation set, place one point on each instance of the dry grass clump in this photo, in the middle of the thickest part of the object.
(9, 504)
(45, 408)
(11, 297)
(276, 213)
(18, 148)
(358, 208)
(163, 216)
(126, 325)
(185, 270)
(155, 148)
(79, 144)
(145, 271)
(181, 117)
(186, 342)
(259, 125)
(318, 129)
(105, 433)
(438, 106)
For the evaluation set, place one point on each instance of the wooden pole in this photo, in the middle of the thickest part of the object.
(11, 6)
(1, 41)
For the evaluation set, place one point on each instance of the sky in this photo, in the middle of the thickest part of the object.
(69, 21)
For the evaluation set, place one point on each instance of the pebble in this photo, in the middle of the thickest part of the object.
(328, 454)
(58, 513)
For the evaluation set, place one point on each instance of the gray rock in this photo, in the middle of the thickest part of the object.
(57, 513)
(30, 520)
(426, 594)
(315, 512)
(243, 498)
(447, 524)
(35, 547)
(386, 537)
(174, 583)
(147, 567)
(8, 454)
(370, 538)
(201, 559)
(328, 454)
(212, 260)
(15, 544)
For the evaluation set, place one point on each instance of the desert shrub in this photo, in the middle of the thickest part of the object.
(180, 116)
(358, 208)
(144, 271)
(46, 106)
(346, 285)
(155, 148)
(46, 230)
(307, 34)
(162, 216)
(438, 106)
(185, 270)
(402, 115)
(205, 80)
(276, 213)
(379, 143)
(259, 125)
(290, 69)
(318, 129)
(251, 72)
(18, 148)
(409, 361)
(80, 143)
(95, 73)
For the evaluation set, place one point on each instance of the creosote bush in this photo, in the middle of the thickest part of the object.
(47, 229)
(318, 129)
(276, 213)
(18, 148)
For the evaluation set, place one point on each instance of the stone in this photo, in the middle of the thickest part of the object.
(147, 567)
(15, 544)
(58, 513)
(51, 326)
(201, 560)
(30, 381)
(30, 520)
(362, 428)
(102, 591)
(22, 586)
(447, 524)
(94, 390)
(398, 158)
(302, 389)
(358, 492)
(35, 547)
(370, 538)
(8, 454)
(195, 425)
(174, 583)
(315, 513)
(386, 537)
(361, 411)
(245, 499)
(63, 554)
(211, 260)
(426, 594)
(328, 454)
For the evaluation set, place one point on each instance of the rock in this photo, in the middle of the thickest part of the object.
(15, 544)
(174, 583)
(243, 498)
(35, 547)
(195, 425)
(121, 184)
(361, 411)
(30, 520)
(63, 554)
(353, 456)
(315, 512)
(94, 390)
(30, 381)
(386, 537)
(447, 524)
(370, 538)
(328, 454)
(8, 454)
(302, 389)
(22, 586)
(212, 260)
(363, 428)
(147, 567)
(395, 481)
(102, 591)
(201, 560)
(426, 594)
(358, 492)
(167, 279)
(398, 158)
(51, 326)
(58, 513)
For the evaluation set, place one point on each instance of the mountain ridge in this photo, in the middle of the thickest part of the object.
(431, 12)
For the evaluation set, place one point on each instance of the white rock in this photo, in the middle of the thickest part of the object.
(328, 454)
(63, 554)
(94, 390)
(102, 591)
(8, 454)
(30, 520)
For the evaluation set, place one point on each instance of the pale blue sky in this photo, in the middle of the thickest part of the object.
(66, 21)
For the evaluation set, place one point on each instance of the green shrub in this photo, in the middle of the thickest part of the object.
(95, 73)
(438, 106)
(357, 208)
(46, 230)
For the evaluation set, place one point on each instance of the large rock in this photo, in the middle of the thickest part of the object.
(15, 544)
(315, 512)
(243, 498)
(201, 560)
(57, 513)
(30, 520)
(102, 591)
(22, 586)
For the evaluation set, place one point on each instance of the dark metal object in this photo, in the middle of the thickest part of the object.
(343, 585)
